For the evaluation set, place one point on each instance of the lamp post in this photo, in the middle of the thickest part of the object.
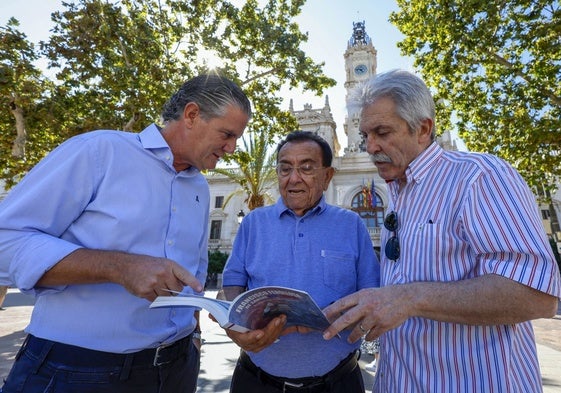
(240, 216)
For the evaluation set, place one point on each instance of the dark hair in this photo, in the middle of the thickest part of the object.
(302, 136)
(212, 93)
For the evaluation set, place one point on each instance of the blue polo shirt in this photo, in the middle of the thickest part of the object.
(327, 252)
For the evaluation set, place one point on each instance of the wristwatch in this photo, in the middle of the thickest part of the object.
(196, 336)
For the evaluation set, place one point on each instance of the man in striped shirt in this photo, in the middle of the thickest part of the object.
(465, 266)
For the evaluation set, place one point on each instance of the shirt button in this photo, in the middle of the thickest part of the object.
(170, 242)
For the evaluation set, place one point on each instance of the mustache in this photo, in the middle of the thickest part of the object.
(379, 157)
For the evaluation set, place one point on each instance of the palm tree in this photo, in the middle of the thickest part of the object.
(255, 173)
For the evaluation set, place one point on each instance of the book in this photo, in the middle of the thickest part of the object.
(255, 308)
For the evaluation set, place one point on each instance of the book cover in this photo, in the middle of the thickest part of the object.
(255, 308)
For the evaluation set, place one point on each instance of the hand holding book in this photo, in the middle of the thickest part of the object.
(255, 308)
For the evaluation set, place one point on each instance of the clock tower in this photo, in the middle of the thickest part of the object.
(360, 64)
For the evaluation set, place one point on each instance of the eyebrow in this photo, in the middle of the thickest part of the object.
(304, 161)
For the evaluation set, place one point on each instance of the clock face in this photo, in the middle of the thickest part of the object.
(360, 69)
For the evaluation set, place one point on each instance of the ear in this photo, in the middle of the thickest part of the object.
(190, 113)
(425, 131)
(329, 172)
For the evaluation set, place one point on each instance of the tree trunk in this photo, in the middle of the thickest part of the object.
(130, 124)
(255, 201)
(18, 147)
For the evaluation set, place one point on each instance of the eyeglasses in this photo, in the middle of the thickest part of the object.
(284, 170)
(392, 245)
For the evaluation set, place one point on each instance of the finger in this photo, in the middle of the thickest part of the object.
(251, 341)
(350, 318)
(270, 335)
(338, 308)
(359, 331)
(373, 334)
(289, 330)
(363, 329)
(274, 329)
(187, 278)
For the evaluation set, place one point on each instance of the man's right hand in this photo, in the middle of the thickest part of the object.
(148, 277)
(142, 275)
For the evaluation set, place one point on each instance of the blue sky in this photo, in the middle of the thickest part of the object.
(329, 24)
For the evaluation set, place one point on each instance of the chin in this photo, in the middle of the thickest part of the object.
(210, 164)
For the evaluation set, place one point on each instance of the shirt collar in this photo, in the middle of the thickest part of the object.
(152, 139)
(422, 164)
(281, 208)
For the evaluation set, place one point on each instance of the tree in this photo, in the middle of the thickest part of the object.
(115, 62)
(24, 97)
(496, 69)
(216, 262)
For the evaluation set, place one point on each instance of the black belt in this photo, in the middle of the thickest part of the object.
(82, 357)
(309, 384)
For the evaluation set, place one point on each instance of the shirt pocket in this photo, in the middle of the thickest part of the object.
(339, 271)
(431, 254)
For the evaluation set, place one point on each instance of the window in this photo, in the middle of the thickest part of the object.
(545, 214)
(372, 213)
(215, 229)
(218, 202)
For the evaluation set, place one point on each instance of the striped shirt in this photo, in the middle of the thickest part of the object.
(462, 215)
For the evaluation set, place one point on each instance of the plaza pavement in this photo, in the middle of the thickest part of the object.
(219, 354)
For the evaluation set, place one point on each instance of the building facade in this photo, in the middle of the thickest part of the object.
(356, 184)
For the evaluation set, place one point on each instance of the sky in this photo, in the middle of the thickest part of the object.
(329, 24)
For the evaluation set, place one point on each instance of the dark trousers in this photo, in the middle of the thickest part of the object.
(253, 380)
(44, 366)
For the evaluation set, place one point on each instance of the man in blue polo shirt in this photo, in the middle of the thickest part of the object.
(303, 243)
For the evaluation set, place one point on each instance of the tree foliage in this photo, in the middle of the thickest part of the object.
(216, 261)
(495, 67)
(112, 64)
(25, 96)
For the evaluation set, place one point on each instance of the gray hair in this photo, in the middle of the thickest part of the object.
(412, 98)
(212, 93)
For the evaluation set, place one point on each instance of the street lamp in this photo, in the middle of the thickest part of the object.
(240, 216)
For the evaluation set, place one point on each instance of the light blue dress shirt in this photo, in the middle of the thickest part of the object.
(327, 252)
(107, 190)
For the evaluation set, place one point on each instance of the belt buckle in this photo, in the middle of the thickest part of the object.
(290, 385)
(156, 361)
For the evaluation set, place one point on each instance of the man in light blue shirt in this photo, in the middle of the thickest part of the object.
(104, 224)
(306, 244)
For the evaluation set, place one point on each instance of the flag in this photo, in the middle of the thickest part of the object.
(365, 196)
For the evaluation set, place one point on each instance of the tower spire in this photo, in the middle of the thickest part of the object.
(359, 36)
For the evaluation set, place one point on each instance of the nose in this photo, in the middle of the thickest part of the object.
(230, 146)
(372, 146)
(294, 175)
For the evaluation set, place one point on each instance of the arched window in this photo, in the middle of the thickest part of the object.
(371, 212)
